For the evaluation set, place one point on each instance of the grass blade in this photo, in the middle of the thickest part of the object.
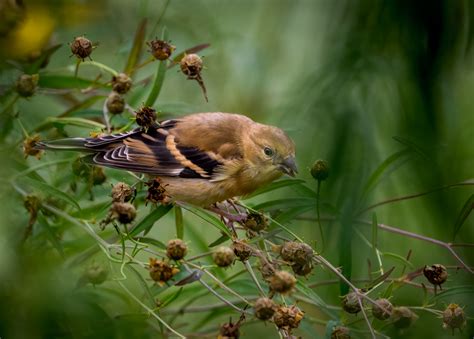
(147, 223)
(138, 42)
(464, 214)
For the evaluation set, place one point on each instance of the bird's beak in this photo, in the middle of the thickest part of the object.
(288, 166)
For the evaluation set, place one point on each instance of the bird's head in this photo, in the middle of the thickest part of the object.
(270, 151)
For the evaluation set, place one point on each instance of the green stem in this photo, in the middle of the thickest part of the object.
(319, 216)
(178, 212)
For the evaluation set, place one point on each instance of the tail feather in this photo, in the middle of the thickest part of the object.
(69, 144)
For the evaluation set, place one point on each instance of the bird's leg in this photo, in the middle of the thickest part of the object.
(231, 217)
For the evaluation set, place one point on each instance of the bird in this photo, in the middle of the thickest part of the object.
(201, 158)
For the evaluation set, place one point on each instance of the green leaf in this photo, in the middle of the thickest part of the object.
(276, 185)
(65, 82)
(411, 145)
(219, 240)
(309, 293)
(50, 190)
(138, 42)
(178, 216)
(465, 289)
(397, 257)
(206, 216)
(285, 204)
(142, 282)
(375, 228)
(465, 211)
(147, 223)
(151, 241)
(292, 213)
(36, 65)
(79, 122)
(170, 298)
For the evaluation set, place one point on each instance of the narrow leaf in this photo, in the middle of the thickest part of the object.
(397, 257)
(50, 190)
(275, 185)
(151, 241)
(65, 82)
(147, 223)
(412, 145)
(179, 222)
(138, 42)
(219, 240)
(465, 211)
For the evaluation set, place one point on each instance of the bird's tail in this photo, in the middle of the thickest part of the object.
(69, 144)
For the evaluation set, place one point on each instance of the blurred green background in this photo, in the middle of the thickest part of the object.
(343, 78)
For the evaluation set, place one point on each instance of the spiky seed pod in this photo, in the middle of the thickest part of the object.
(256, 222)
(267, 269)
(115, 103)
(176, 249)
(282, 282)
(350, 303)
(223, 256)
(156, 193)
(436, 274)
(29, 147)
(320, 170)
(340, 332)
(121, 192)
(81, 47)
(161, 49)
(288, 317)
(98, 176)
(229, 330)
(403, 317)
(296, 252)
(454, 317)
(26, 85)
(242, 250)
(161, 271)
(383, 309)
(302, 270)
(264, 308)
(124, 212)
(121, 83)
(191, 66)
(96, 274)
(145, 117)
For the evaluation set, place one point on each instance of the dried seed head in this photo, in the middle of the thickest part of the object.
(383, 309)
(282, 282)
(124, 212)
(81, 47)
(81, 169)
(242, 250)
(176, 249)
(98, 176)
(191, 66)
(161, 271)
(302, 270)
(156, 192)
(145, 117)
(256, 222)
(121, 83)
(403, 317)
(96, 274)
(115, 103)
(288, 317)
(223, 256)
(453, 317)
(340, 332)
(436, 274)
(296, 252)
(29, 147)
(264, 308)
(161, 49)
(32, 204)
(121, 192)
(26, 85)
(229, 330)
(350, 303)
(267, 269)
(320, 170)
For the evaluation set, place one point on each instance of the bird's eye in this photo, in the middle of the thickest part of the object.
(268, 151)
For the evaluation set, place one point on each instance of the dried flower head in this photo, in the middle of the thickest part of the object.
(242, 250)
(96, 274)
(229, 330)
(145, 117)
(223, 256)
(32, 204)
(403, 317)
(302, 270)
(191, 66)
(383, 309)
(340, 332)
(264, 308)
(256, 222)
(282, 282)
(296, 252)
(350, 303)
(121, 83)
(115, 103)
(161, 49)
(121, 192)
(288, 317)
(26, 85)
(268, 269)
(156, 192)
(124, 212)
(436, 274)
(161, 271)
(29, 147)
(81, 47)
(454, 317)
(176, 249)
(320, 170)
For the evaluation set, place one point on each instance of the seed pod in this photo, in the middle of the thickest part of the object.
(121, 192)
(81, 47)
(26, 85)
(264, 308)
(145, 117)
(176, 249)
(453, 317)
(350, 303)
(229, 330)
(242, 250)
(156, 193)
(96, 274)
(296, 252)
(161, 49)
(268, 269)
(383, 309)
(161, 271)
(223, 256)
(436, 274)
(302, 270)
(124, 212)
(115, 103)
(288, 317)
(191, 66)
(340, 332)
(98, 176)
(255, 222)
(282, 282)
(29, 147)
(320, 170)
(121, 83)
(403, 317)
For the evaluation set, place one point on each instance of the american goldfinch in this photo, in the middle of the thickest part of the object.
(200, 159)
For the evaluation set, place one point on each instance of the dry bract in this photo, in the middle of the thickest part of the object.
(264, 308)
(29, 147)
(124, 212)
(161, 271)
(161, 49)
(288, 317)
(282, 282)
(223, 256)
(121, 192)
(453, 317)
(242, 250)
(156, 193)
(176, 249)
(145, 117)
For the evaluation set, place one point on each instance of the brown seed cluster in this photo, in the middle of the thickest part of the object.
(29, 147)
(350, 303)
(156, 193)
(299, 255)
(123, 212)
(229, 330)
(320, 170)
(256, 222)
(264, 308)
(121, 192)
(145, 117)
(288, 318)
(161, 49)
(242, 250)
(436, 274)
(121, 83)
(383, 310)
(26, 85)
(161, 271)
(223, 256)
(81, 47)
(454, 317)
(282, 282)
(340, 332)
(403, 317)
(115, 103)
(191, 65)
(176, 249)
